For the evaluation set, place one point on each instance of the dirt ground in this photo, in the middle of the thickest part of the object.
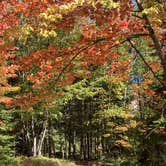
(82, 163)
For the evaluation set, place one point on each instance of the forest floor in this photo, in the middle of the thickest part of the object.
(81, 163)
(44, 161)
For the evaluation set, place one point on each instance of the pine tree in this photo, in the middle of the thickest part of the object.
(6, 138)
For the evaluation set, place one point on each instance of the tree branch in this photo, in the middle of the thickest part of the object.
(95, 42)
(75, 56)
(134, 15)
(151, 132)
(154, 38)
(146, 63)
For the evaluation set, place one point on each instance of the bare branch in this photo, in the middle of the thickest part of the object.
(146, 63)
(134, 15)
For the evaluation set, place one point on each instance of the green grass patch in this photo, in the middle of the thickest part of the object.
(40, 161)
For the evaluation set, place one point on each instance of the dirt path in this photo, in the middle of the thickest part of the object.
(82, 163)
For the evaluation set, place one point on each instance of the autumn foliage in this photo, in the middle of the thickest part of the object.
(48, 45)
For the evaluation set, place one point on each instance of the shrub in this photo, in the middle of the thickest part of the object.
(8, 161)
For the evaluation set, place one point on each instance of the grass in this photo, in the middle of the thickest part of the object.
(40, 161)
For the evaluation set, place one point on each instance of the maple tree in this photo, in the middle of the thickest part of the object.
(104, 26)
(99, 34)
(48, 45)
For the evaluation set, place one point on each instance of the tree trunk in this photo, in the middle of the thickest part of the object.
(74, 145)
(49, 138)
(152, 34)
(34, 147)
(41, 140)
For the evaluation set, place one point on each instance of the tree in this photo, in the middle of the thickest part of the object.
(7, 140)
(49, 45)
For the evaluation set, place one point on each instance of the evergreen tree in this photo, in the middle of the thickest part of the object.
(7, 141)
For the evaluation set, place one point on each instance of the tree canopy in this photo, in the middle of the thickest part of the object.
(84, 75)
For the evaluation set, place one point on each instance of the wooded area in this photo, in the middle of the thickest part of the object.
(83, 81)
